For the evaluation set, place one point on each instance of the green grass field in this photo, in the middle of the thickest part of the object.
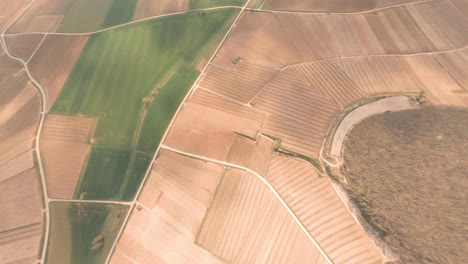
(194, 4)
(113, 80)
(104, 175)
(74, 226)
(92, 15)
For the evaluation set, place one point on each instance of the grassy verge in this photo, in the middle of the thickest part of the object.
(83, 232)
(407, 174)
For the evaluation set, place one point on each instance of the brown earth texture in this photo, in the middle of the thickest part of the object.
(408, 173)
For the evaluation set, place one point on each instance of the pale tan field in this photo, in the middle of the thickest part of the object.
(395, 103)
(149, 8)
(330, 80)
(42, 16)
(8, 67)
(241, 84)
(23, 46)
(21, 214)
(316, 204)
(461, 5)
(207, 122)
(9, 10)
(64, 149)
(54, 61)
(320, 5)
(258, 38)
(247, 224)
(299, 114)
(444, 25)
(251, 154)
(456, 63)
(16, 165)
(304, 30)
(439, 86)
(175, 198)
(380, 74)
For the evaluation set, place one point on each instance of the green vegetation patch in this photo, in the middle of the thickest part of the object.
(104, 175)
(120, 12)
(163, 107)
(407, 172)
(132, 80)
(119, 68)
(195, 4)
(83, 232)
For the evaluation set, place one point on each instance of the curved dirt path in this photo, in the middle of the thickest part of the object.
(394, 103)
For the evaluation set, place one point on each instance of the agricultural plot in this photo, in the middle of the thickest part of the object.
(257, 36)
(9, 11)
(207, 122)
(456, 63)
(331, 6)
(317, 205)
(247, 224)
(64, 139)
(82, 232)
(380, 74)
(255, 155)
(23, 46)
(299, 114)
(196, 4)
(175, 198)
(8, 67)
(439, 86)
(125, 137)
(241, 84)
(54, 61)
(21, 213)
(149, 8)
(73, 15)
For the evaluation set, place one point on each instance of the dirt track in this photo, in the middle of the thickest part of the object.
(395, 103)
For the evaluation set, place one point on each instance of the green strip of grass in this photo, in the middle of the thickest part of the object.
(74, 228)
(164, 106)
(104, 175)
(120, 12)
(195, 4)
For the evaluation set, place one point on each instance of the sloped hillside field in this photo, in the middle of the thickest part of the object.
(407, 171)
(132, 80)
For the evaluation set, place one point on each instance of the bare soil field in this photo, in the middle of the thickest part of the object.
(64, 139)
(23, 46)
(315, 202)
(241, 84)
(54, 61)
(445, 26)
(9, 10)
(380, 74)
(180, 190)
(21, 214)
(8, 67)
(244, 213)
(299, 114)
(175, 198)
(461, 5)
(149, 8)
(330, 80)
(439, 86)
(415, 191)
(394, 103)
(320, 5)
(456, 63)
(16, 165)
(255, 155)
(10, 88)
(258, 38)
(42, 16)
(207, 122)
(303, 29)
